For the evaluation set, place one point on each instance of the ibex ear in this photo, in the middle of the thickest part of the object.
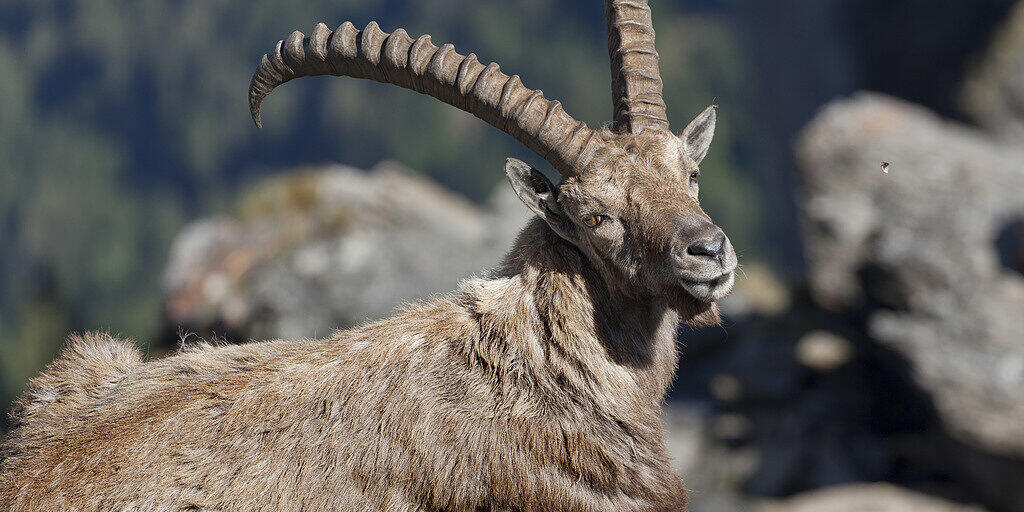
(696, 138)
(538, 193)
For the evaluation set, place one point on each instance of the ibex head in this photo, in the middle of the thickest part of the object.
(634, 212)
(628, 198)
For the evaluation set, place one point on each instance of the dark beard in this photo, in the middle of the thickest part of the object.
(696, 313)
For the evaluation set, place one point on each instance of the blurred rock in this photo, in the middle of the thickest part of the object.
(731, 427)
(823, 351)
(799, 428)
(713, 474)
(916, 248)
(758, 291)
(874, 497)
(725, 388)
(327, 248)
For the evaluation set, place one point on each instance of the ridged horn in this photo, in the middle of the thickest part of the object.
(636, 81)
(458, 80)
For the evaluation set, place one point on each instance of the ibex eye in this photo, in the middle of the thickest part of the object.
(694, 176)
(593, 220)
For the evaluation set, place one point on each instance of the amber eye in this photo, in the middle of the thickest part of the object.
(694, 176)
(593, 220)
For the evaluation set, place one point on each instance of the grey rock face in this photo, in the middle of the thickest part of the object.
(328, 248)
(917, 247)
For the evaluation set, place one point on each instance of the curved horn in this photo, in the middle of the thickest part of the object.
(461, 81)
(636, 80)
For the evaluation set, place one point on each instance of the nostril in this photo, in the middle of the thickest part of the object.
(712, 247)
(707, 248)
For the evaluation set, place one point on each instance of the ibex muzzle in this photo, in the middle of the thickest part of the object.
(703, 257)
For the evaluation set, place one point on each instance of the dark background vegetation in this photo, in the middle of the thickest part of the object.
(122, 120)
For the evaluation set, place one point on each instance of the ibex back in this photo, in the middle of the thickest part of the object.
(535, 388)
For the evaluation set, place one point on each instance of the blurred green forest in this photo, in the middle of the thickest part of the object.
(122, 120)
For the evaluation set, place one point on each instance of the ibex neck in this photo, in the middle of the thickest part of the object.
(587, 326)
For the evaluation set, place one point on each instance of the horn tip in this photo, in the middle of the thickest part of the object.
(254, 111)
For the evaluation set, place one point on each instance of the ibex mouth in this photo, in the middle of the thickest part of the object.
(709, 290)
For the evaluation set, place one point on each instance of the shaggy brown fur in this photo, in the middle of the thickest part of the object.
(529, 390)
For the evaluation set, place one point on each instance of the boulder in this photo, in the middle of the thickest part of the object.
(327, 248)
(871, 497)
(915, 249)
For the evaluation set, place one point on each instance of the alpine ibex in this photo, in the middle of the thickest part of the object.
(535, 388)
